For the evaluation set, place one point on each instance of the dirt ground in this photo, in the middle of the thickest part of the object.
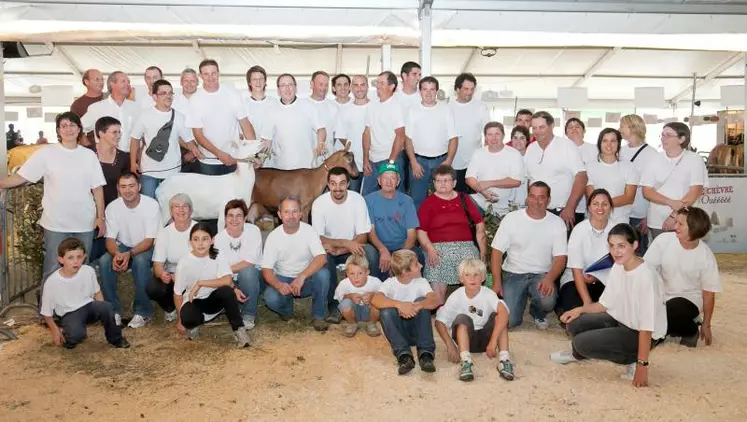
(294, 373)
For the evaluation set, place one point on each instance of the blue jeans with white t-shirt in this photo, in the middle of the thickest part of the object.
(141, 265)
(315, 286)
(516, 288)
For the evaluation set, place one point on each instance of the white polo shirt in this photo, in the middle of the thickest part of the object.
(217, 114)
(470, 119)
(586, 246)
(486, 165)
(430, 128)
(351, 122)
(130, 226)
(289, 254)
(327, 110)
(557, 165)
(672, 177)
(531, 244)
(340, 221)
(641, 163)
(126, 113)
(292, 130)
(614, 178)
(383, 118)
(147, 126)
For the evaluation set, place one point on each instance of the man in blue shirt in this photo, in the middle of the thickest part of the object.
(393, 219)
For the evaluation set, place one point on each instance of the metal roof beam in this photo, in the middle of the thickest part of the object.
(710, 76)
(596, 66)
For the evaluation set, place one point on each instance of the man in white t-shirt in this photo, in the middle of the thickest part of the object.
(293, 265)
(132, 223)
(294, 129)
(154, 166)
(384, 136)
(408, 93)
(325, 107)
(341, 90)
(430, 140)
(188, 82)
(144, 95)
(215, 115)
(470, 117)
(351, 122)
(116, 105)
(536, 247)
(575, 130)
(340, 217)
(556, 161)
(258, 104)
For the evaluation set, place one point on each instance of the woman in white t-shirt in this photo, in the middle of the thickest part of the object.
(674, 181)
(619, 178)
(629, 318)
(690, 274)
(240, 244)
(73, 201)
(203, 288)
(520, 138)
(587, 244)
(172, 244)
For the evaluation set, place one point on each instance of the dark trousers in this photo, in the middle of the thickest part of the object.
(403, 333)
(191, 166)
(569, 298)
(74, 323)
(599, 336)
(161, 293)
(643, 243)
(215, 169)
(681, 314)
(461, 185)
(478, 339)
(223, 298)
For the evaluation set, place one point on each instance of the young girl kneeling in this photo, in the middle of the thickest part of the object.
(628, 319)
(203, 288)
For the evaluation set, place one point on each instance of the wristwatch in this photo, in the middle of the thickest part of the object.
(640, 362)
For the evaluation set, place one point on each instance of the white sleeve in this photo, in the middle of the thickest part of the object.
(161, 247)
(502, 239)
(318, 222)
(632, 177)
(648, 176)
(252, 252)
(93, 284)
(447, 313)
(519, 171)
(138, 128)
(88, 120)
(152, 222)
(315, 245)
(709, 276)
(342, 289)
(35, 167)
(450, 124)
(223, 269)
(112, 227)
(362, 221)
(238, 106)
(424, 287)
(560, 241)
(409, 123)
(97, 173)
(185, 133)
(180, 279)
(655, 252)
(47, 301)
(473, 166)
(399, 115)
(316, 119)
(386, 289)
(697, 176)
(576, 250)
(612, 288)
(647, 297)
(270, 255)
(575, 162)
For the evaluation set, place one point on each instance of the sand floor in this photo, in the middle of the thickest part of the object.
(294, 373)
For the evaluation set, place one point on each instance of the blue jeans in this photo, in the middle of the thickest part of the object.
(148, 185)
(316, 286)
(643, 243)
(372, 255)
(404, 333)
(362, 312)
(215, 169)
(141, 272)
(249, 281)
(371, 183)
(516, 288)
(52, 240)
(419, 187)
(376, 272)
(74, 323)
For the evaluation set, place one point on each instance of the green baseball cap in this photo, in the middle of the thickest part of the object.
(388, 166)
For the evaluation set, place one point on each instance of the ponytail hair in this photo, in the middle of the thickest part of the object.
(204, 227)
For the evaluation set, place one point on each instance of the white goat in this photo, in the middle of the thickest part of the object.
(209, 194)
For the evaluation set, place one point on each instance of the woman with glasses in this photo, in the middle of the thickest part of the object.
(619, 178)
(520, 138)
(673, 181)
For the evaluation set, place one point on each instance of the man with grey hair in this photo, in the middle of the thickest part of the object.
(116, 105)
(143, 95)
(293, 265)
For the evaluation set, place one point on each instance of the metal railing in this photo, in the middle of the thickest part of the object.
(22, 248)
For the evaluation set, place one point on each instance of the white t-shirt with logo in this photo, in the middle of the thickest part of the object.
(672, 177)
(130, 226)
(641, 163)
(351, 122)
(614, 178)
(292, 129)
(67, 294)
(171, 246)
(557, 165)
(327, 110)
(589, 154)
(345, 287)
(69, 176)
(247, 247)
(289, 254)
(340, 221)
(634, 299)
(393, 289)
(147, 126)
(430, 128)
(686, 273)
(478, 308)
(127, 114)
(530, 244)
(217, 114)
(486, 165)
(383, 119)
(586, 246)
(192, 269)
(470, 119)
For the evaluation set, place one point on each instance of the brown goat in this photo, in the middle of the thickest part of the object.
(273, 185)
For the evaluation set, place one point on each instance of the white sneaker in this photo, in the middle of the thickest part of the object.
(629, 372)
(541, 324)
(242, 338)
(118, 320)
(248, 322)
(138, 321)
(170, 316)
(193, 333)
(564, 357)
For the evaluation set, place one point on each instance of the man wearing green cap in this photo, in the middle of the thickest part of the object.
(393, 218)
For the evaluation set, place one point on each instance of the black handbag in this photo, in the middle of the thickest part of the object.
(472, 225)
(159, 145)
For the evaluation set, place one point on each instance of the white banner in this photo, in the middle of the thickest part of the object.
(725, 201)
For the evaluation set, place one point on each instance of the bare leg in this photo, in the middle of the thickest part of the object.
(349, 315)
(373, 314)
(462, 335)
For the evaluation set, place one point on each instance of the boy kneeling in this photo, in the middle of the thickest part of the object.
(404, 302)
(478, 321)
(73, 293)
(354, 294)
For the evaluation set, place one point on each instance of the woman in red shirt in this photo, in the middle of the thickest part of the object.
(451, 230)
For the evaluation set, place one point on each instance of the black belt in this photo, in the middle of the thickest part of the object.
(432, 158)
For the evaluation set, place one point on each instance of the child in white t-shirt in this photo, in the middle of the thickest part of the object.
(404, 303)
(478, 322)
(73, 294)
(354, 294)
(203, 287)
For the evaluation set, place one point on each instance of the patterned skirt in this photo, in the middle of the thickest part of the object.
(451, 254)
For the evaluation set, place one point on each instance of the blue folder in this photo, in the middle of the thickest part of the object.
(602, 263)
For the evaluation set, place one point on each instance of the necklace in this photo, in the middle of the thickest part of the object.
(236, 247)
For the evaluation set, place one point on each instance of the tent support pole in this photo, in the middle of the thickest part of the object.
(426, 29)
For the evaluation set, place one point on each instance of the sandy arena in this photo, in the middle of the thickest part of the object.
(294, 373)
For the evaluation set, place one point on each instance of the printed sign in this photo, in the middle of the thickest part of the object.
(725, 201)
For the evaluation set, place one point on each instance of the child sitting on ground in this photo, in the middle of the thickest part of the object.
(405, 302)
(354, 294)
(478, 321)
(73, 293)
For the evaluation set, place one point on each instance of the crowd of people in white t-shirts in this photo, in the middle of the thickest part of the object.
(576, 218)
